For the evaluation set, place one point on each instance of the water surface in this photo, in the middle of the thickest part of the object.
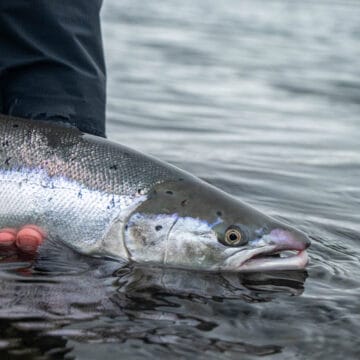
(262, 99)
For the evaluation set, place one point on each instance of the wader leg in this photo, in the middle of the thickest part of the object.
(51, 62)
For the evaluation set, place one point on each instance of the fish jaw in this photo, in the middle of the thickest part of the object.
(268, 253)
(295, 262)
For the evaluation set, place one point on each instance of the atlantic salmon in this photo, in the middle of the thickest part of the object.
(107, 200)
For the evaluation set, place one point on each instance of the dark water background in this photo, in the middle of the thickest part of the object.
(261, 98)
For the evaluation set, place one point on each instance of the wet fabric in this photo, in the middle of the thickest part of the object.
(51, 62)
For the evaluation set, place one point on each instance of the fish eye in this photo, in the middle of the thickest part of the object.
(234, 237)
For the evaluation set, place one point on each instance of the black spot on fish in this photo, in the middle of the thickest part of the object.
(80, 194)
(126, 227)
(184, 202)
(181, 179)
(28, 135)
(113, 167)
(54, 140)
(158, 227)
(5, 143)
(140, 191)
(219, 213)
(15, 125)
(7, 161)
(169, 192)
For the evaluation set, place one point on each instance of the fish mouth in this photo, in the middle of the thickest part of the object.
(278, 250)
(284, 260)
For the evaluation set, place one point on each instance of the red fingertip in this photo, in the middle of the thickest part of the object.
(35, 228)
(7, 236)
(29, 238)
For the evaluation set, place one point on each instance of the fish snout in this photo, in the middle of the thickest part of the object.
(288, 239)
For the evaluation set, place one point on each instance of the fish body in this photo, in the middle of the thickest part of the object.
(106, 200)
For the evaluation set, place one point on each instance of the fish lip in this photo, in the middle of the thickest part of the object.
(296, 262)
(287, 240)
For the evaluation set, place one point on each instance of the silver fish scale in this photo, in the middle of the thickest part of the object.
(75, 186)
(64, 209)
(94, 162)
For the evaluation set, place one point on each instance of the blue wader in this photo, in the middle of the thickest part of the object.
(52, 62)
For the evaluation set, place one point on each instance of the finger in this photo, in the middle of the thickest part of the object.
(29, 238)
(7, 237)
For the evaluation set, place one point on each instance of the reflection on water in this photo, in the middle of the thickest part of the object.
(43, 311)
(261, 98)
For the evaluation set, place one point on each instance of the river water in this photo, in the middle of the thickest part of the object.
(262, 99)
